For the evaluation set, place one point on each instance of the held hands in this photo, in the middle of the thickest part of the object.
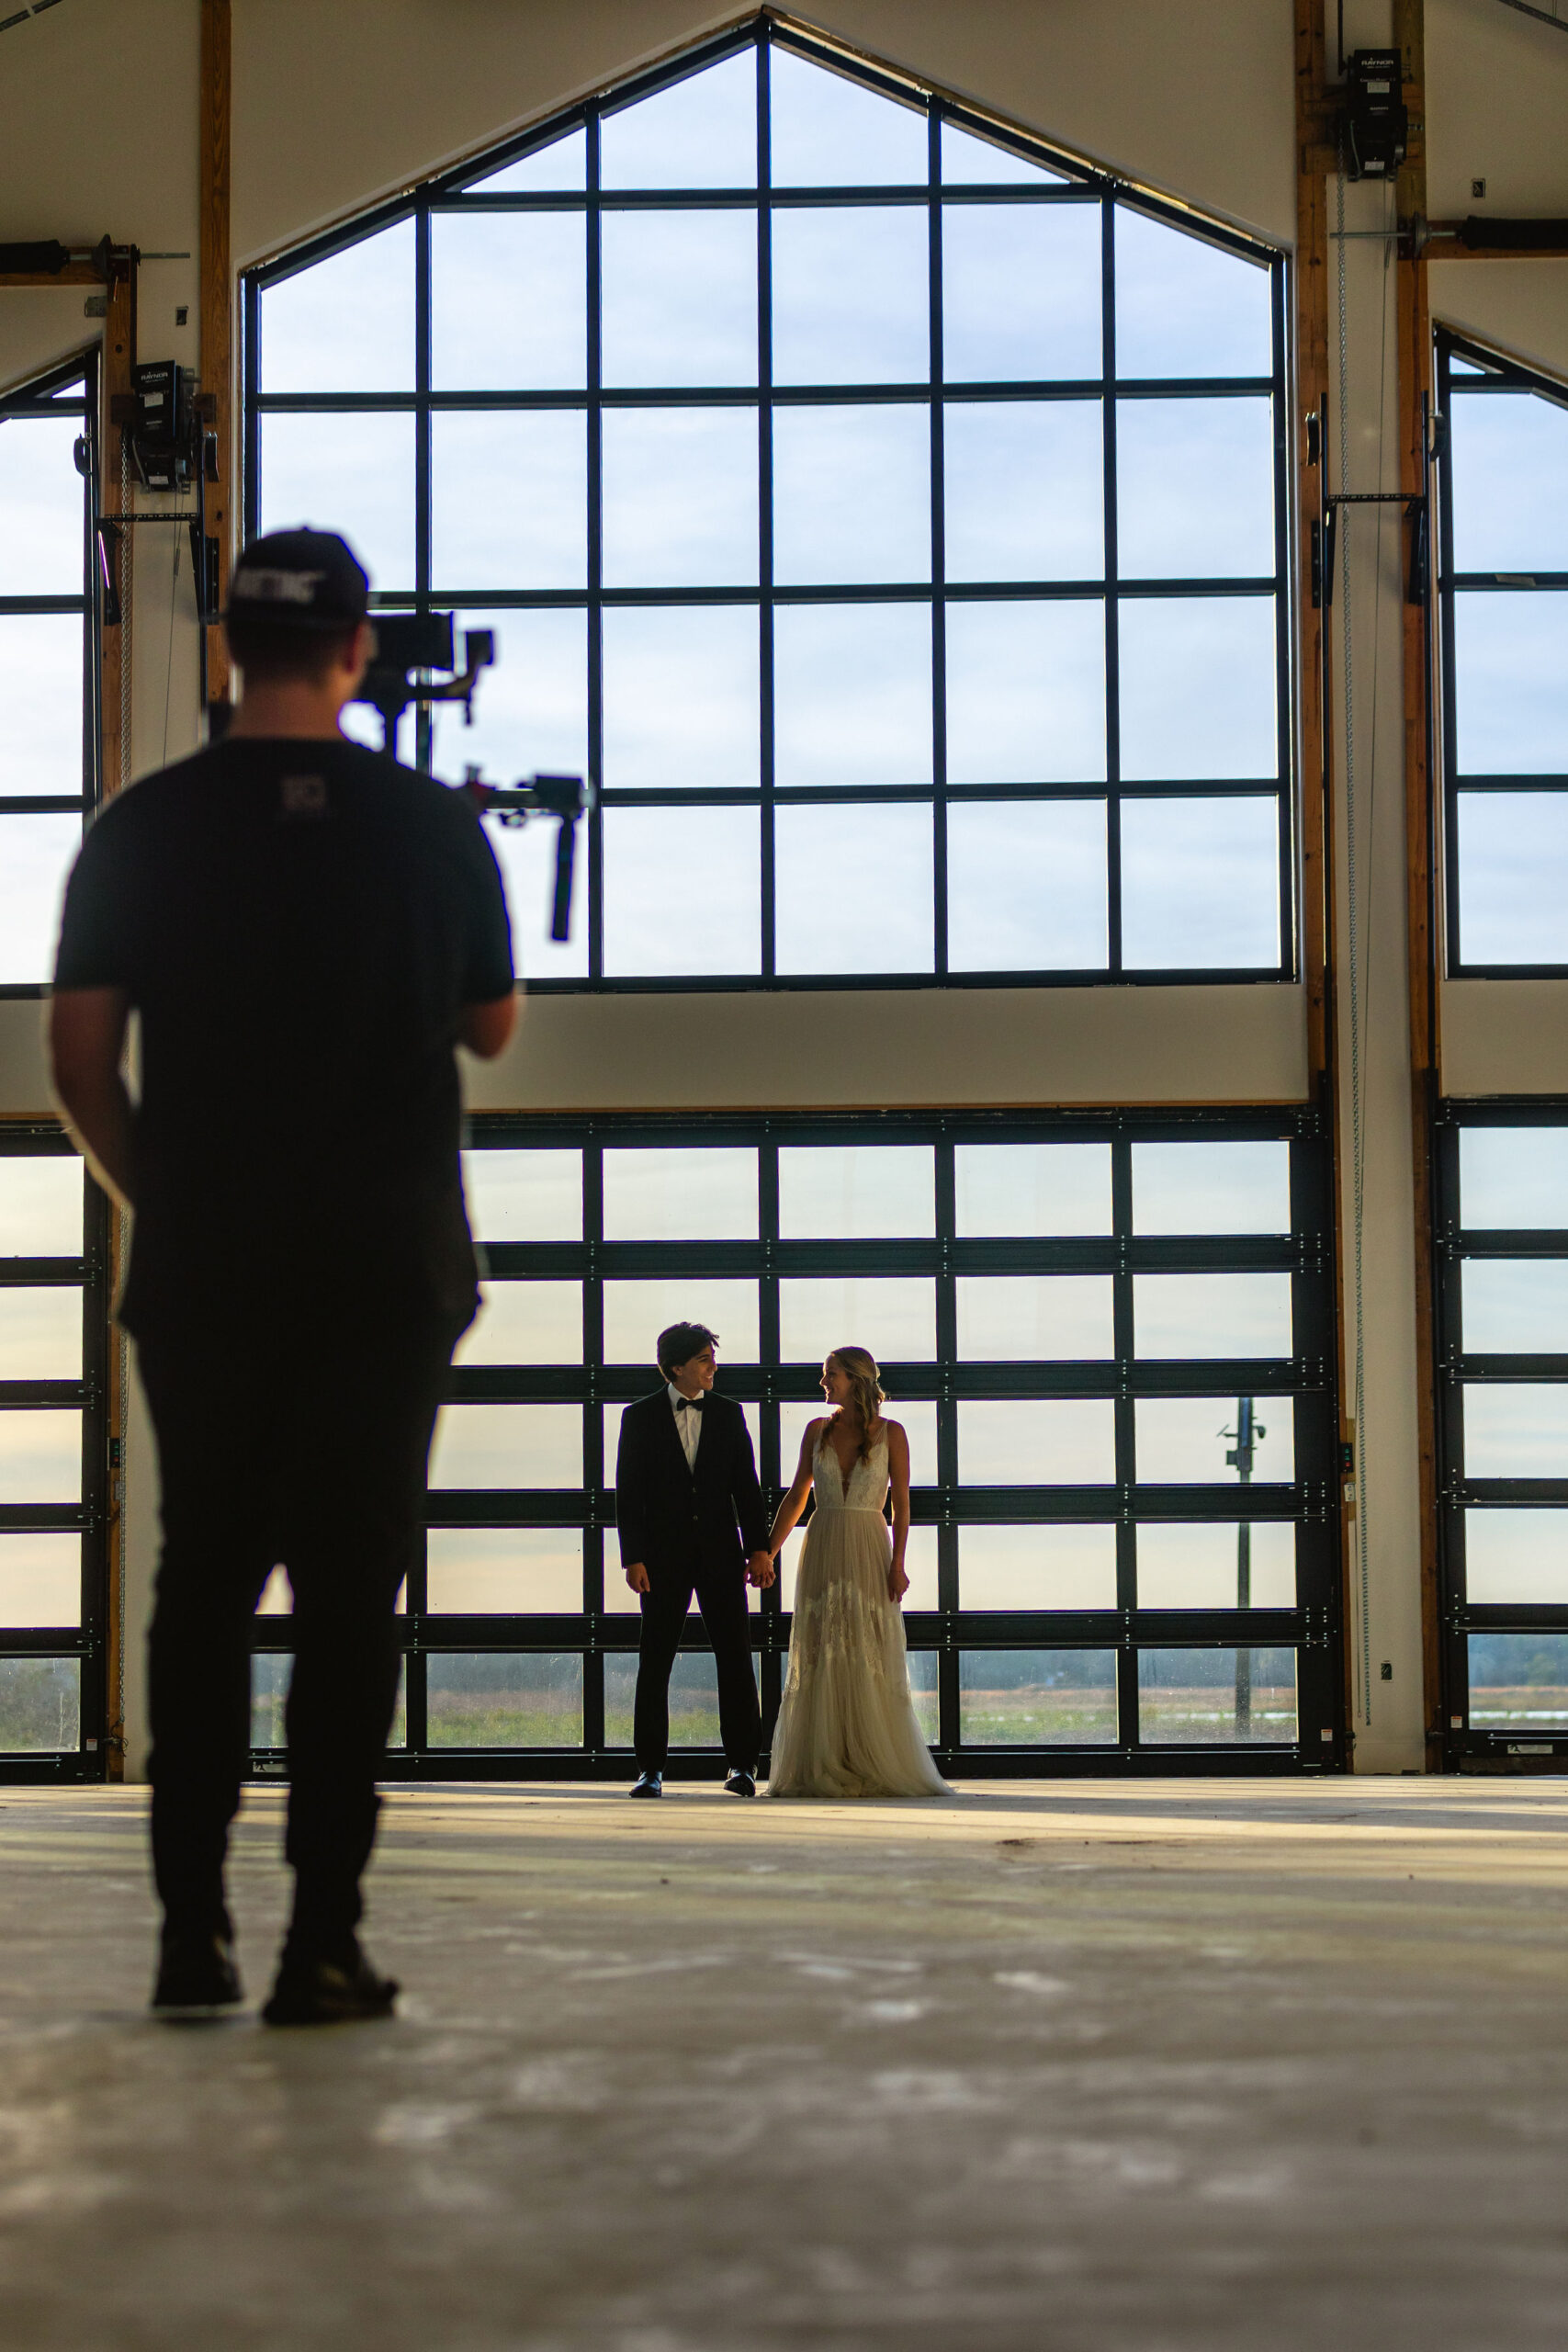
(897, 1583)
(759, 1570)
(637, 1577)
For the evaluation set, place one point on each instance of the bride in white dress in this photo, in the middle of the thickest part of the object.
(847, 1725)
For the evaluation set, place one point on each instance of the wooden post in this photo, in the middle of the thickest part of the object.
(1422, 824)
(218, 305)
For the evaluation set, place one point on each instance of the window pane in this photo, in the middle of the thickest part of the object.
(681, 696)
(679, 298)
(1200, 884)
(1026, 693)
(1212, 1315)
(1509, 476)
(42, 499)
(1212, 1187)
(1025, 489)
(491, 1700)
(36, 855)
(40, 1205)
(853, 693)
(270, 1676)
(700, 132)
(1020, 291)
(504, 1571)
(41, 1580)
(1197, 688)
(1507, 1177)
(1036, 1698)
(40, 692)
(40, 1457)
(851, 494)
(1184, 308)
(507, 1446)
(827, 860)
(531, 710)
(527, 861)
(969, 161)
(1511, 682)
(509, 499)
(851, 295)
(40, 1706)
(1515, 1558)
(855, 1192)
(684, 1192)
(525, 1195)
(680, 498)
(1026, 886)
(1515, 1305)
(1516, 1431)
(1194, 488)
(1513, 877)
(525, 1322)
(917, 1416)
(559, 168)
(40, 1334)
(353, 474)
(535, 336)
(1037, 1567)
(895, 1319)
(1217, 1564)
(829, 131)
(1032, 1189)
(682, 891)
(1517, 1681)
(345, 324)
(1049, 1318)
(1037, 1441)
(635, 1313)
(1189, 1440)
(1213, 1697)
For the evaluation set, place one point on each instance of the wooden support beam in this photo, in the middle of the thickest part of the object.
(216, 297)
(1423, 828)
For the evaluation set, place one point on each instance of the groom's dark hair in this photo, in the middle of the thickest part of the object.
(679, 1343)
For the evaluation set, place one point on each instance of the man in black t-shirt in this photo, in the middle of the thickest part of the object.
(306, 931)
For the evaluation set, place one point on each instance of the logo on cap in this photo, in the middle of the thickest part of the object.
(271, 586)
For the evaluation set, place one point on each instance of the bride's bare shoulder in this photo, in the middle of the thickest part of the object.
(893, 1431)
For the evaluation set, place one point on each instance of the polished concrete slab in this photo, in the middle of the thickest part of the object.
(1071, 2066)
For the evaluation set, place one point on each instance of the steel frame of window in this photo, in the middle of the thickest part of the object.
(1507, 379)
(1459, 1617)
(445, 193)
(90, 1518)
(38, 399)
(1311, 1627)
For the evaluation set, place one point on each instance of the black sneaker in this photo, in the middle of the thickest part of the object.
(327, 1992)
(196, 1976)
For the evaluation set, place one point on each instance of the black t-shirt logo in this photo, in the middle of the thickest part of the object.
(304, 795)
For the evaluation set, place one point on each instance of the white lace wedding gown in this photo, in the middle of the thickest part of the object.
(847, 1725)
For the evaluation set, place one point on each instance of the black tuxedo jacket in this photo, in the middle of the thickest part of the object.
(676, 1519)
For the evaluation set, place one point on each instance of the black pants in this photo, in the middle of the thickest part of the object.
(721, 1597)
(311, 1447)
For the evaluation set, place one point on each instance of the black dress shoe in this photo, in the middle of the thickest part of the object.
(328, 1992)
(649, 1784)
(740, 1784)
(197, 1975)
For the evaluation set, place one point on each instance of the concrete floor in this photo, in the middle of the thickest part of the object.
(1064, 2067)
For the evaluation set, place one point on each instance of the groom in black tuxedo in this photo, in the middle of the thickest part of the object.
(685, 1483)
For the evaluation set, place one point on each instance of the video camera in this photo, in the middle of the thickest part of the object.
(410, 647)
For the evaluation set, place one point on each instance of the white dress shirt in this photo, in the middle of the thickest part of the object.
(688, 1426)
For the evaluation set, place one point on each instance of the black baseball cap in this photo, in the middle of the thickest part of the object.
(306, 579)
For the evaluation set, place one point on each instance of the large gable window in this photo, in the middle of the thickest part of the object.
(888, 517)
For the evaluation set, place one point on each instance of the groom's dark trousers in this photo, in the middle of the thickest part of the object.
(693, 1530)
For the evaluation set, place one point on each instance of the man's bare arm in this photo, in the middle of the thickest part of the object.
(87, 1039)
(486, 1029)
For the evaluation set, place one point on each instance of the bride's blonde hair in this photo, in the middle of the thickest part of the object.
(866, 1389)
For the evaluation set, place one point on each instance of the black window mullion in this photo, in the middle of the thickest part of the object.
(423, 715)
(766, 752)
(593, 425)
(1126, 1526)
(1112, 630)
(938, 563)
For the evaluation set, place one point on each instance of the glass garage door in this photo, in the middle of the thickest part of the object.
(1108, 1338)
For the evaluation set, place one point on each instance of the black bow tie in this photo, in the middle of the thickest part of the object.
(689, 1404)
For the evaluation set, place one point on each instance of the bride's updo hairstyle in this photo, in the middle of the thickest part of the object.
(866, 1397)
